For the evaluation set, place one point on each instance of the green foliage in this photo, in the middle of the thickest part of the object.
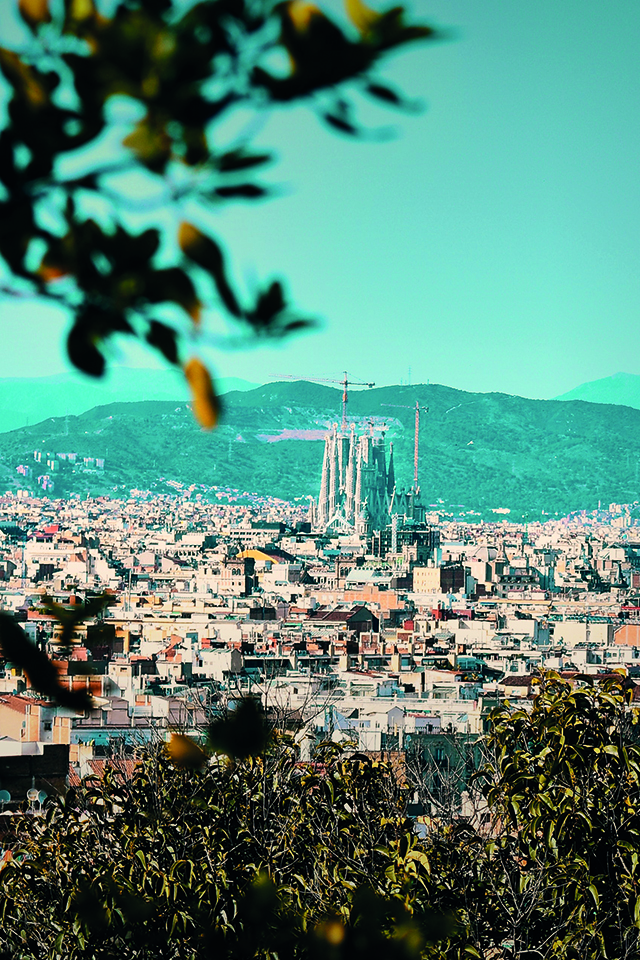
(262, 857)
(256, 854)
(177, 70)
(565, 785)
(553, 872)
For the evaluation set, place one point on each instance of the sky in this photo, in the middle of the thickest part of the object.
(491, 244)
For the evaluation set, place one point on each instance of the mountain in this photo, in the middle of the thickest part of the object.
(477, 451)
(22, 400)
(621, 388)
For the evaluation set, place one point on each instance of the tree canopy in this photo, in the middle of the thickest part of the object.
(161, 76)
(238, 853)
(256, 856)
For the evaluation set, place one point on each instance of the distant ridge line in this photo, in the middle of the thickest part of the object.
(478, 450)
(621, 389)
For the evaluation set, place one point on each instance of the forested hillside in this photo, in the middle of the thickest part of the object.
(477, 451)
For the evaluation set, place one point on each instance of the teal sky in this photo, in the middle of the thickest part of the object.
(492, 244)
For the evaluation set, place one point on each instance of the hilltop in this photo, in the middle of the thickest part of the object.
(477, 451)
(22, 399)
(621, 388)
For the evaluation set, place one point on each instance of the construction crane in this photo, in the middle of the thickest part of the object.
(416, 441)
(346, 383)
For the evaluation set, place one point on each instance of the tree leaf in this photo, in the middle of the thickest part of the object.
(42, 673)
(185, 752)
(28, 83)
(164, 339)
(240, 160)
(34, 12)
(204, 251)
(270, 303)
(150, 142)
(382, 92)
(243, 732)
(247, 191)
(83, 351)
(174, 285)
(361, 16)
(339, 123)
(206, 406)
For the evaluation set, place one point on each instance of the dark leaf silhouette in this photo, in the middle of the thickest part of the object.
(239, 160)
(208, 254)
(391, 97)
(174, 285)
(248, 191)
(293, 326)
(42, 673)
(339, 123)
(164, 339)
(71, 617)
(270, 303)
(242, 733)
(383, 93)
(83, 351)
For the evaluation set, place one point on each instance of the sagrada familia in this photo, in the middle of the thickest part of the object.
(358, 489)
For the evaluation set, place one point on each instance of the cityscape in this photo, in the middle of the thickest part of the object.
(319, 480)
(361, 615)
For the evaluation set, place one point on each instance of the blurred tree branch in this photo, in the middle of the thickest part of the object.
(176, 71)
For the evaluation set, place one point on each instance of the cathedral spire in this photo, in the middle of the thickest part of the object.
(391, 476)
